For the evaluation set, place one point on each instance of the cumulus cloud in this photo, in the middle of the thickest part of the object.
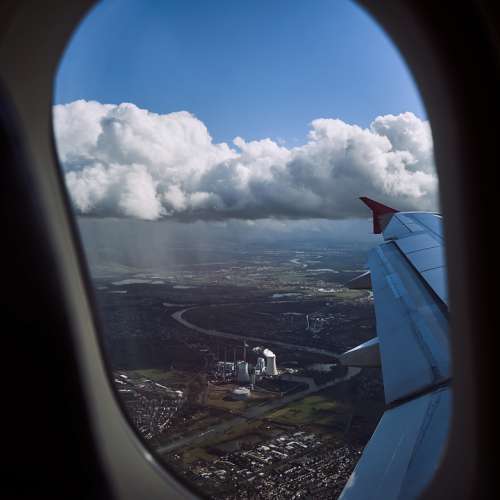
(123, 161)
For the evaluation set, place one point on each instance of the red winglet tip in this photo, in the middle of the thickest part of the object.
(376, 207)
(381, 213)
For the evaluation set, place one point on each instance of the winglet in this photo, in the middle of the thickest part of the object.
(381, 213)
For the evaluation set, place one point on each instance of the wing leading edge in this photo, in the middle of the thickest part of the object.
(408, 277)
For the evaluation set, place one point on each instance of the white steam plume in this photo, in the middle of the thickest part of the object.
(123, 161)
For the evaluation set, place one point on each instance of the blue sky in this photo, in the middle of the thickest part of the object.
(255, 69)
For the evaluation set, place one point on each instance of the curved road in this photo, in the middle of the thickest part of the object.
(216, 333)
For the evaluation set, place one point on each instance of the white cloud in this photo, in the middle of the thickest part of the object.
(120, 160)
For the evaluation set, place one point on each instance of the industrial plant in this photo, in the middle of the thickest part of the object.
(245, 373)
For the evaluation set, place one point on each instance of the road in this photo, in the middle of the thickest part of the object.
(253, 413)
(234, 336)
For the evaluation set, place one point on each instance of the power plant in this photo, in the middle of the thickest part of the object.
(243, 373)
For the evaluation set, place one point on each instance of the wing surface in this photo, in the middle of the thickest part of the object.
(408, 278)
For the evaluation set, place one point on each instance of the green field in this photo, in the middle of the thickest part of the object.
(347, 294)
(318, 409)
(194, 454)
(155, 374)
(244, 431)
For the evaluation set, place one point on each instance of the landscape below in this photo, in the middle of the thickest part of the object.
(174, 336)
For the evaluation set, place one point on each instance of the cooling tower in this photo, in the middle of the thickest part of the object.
(252, 378)
(261, 365)
(242, 374)
(270, 362)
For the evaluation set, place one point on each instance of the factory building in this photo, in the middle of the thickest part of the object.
(225, 366)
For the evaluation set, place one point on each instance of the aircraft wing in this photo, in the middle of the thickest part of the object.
(408, 278)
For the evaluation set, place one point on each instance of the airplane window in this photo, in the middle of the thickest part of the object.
(214, 155)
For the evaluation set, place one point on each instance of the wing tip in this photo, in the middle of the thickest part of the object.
(381, 213)
(376, 206)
